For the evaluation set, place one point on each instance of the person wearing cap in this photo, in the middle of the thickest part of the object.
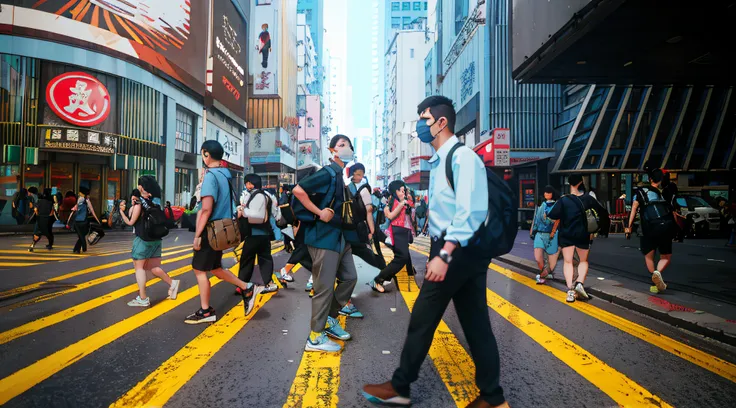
(81, 225)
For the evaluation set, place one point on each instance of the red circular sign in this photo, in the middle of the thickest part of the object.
(78, 98)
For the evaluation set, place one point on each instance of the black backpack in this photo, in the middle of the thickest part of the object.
(354, 209)
(154, 221)
(656, 215)
(421, 210)
(496, 235)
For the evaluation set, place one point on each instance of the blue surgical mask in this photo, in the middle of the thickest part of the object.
(424, 131)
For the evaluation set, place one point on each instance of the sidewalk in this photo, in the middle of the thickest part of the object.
(699, 293)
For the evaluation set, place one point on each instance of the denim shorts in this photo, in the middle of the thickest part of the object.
(145, 249)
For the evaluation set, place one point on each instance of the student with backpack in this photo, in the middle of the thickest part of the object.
(658, 227)
(218, 211)
(256, 209)
(320, 200)
(458, 262)
(361, 237)
(580, 215)
(149, 222)
(80, 213)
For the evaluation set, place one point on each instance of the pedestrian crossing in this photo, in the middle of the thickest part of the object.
(317, 379)
(20, 257)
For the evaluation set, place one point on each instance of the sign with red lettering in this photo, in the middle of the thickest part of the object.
(501, 147)
(78, 98)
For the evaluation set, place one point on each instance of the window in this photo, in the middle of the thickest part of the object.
(184, 130)
(406, 6)
(395, 6)
(395, 22)
(411, 53)
(425, 6)
(407, 23)
(418, 6)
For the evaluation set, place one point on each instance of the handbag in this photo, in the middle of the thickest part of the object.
(95, 235)
(590, 218)
(223, 234)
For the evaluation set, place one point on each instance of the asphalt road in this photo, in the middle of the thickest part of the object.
(68, 339)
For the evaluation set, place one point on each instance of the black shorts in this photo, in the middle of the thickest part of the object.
(565, 242)
(206, 259)
(660, 243)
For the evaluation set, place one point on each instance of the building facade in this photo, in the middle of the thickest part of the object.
(77, 111)
(313, 11)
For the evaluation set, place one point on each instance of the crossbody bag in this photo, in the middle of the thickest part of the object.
(224, 233)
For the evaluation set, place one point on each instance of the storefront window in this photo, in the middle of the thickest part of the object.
(89, 176)
(114, 187)
(182, 187)
(9, 178)
(184, 130)
(34, 176)
(62, 178)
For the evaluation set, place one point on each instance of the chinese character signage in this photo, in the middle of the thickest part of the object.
(161, 35)
(501, 147)
(78, 98)
(79, 140)
(229, 76)
(264, 59)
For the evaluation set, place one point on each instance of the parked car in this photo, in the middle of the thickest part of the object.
(705, 219)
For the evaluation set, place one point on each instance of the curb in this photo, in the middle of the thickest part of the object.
(702, 323)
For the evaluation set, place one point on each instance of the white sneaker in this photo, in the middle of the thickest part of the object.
(286, 276)
(580, 290)
(271, 287)
(570, 296)
(322, 343)
(658, 281)
(174, 289)
(138, 302)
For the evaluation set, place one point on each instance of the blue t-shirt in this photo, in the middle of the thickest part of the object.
(216, 184)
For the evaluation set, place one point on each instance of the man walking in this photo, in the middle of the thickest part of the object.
(453, 272)
(658, 227)
(332, 257)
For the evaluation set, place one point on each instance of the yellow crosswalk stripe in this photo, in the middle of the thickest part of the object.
(317, 379)
(24, 379)
(15, 264)
(39, 253)
(616, 385)
(159, 386)
(48, 258)
(89, 284)
(70, 275)
(708, 361)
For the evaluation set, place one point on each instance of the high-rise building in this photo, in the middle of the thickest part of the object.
(403, 15)
(313, 11)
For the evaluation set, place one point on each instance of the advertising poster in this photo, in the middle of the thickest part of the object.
(155, 34)
(229, 76)
(265, 49)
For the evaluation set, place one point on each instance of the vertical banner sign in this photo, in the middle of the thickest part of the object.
(229, 76)
(266, 49)
(501, 147)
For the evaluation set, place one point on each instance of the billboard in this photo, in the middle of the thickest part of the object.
(264, 61)
(157, 35)
(229, 61)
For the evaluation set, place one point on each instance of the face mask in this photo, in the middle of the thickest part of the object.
(345, 154)
(424, 131)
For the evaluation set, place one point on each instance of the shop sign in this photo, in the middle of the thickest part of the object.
(79, 139)
(501, 147)
(228, 58)
(264, 60)
(78, 98)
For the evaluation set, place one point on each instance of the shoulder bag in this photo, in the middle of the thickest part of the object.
(223, 234)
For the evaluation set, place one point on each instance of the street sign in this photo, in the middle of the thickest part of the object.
(501, 147)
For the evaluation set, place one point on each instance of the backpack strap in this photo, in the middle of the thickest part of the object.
(579, 203)
(448, 166)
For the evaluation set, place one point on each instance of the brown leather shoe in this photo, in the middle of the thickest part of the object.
(385, 394)
(480, 403)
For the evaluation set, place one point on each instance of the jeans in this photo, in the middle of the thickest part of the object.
(420, 223)
(465, 285)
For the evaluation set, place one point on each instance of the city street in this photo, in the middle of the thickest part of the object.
(68, 339)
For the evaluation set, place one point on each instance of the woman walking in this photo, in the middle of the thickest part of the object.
(45, 219)
(574, 234)
(146, 254)
(81, 224)
(399, 214)
(543, 241)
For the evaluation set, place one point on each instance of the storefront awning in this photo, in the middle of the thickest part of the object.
(418, 180)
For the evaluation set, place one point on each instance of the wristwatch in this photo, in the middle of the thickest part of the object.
(445, 256)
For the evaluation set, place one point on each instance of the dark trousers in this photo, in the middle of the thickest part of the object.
(43, 229)
(300, 255)
(264, 61)
(364, 252)
(379, 237)
(256, 245)
(465, 285)
(82, 229)
(401, 256)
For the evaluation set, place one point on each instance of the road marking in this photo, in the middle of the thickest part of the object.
(616, 385)
(159, 386)
(317, 379)
(70, 275)
(707, 361)
(94, 282)
(26, 258)
(454, 365)
(26, 378)
(11, 264)
(40, 253)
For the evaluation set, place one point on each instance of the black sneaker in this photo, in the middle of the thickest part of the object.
(249, 297)
(30, 249)
(202, 316)
(49, 247)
